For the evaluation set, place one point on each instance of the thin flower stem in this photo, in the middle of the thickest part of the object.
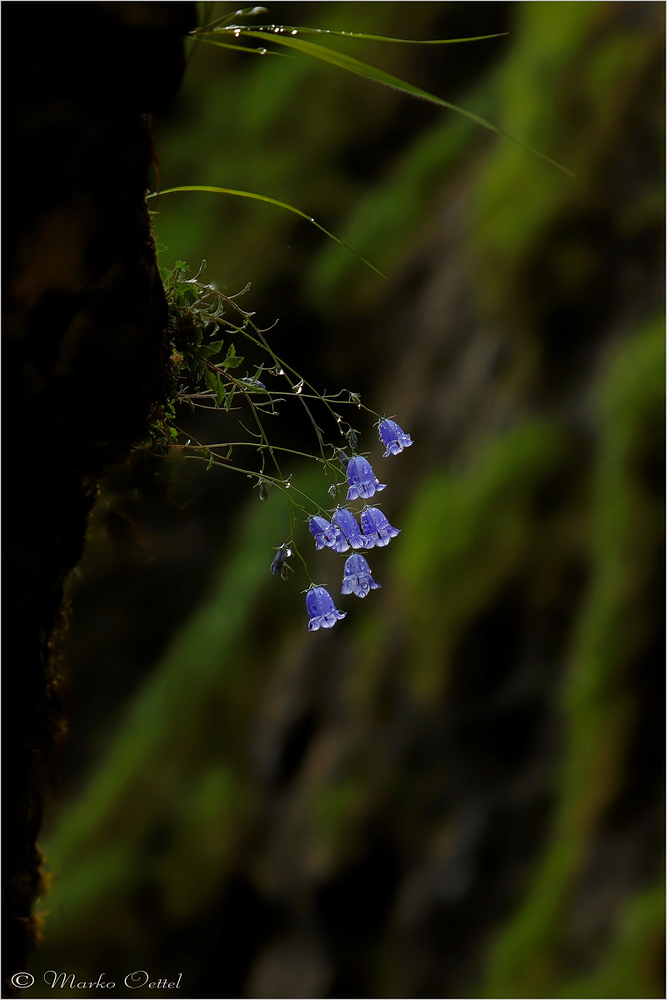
(282, 484)
(297, 553)
(258, 447)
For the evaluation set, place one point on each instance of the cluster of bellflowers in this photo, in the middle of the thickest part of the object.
(344, 532)
(204, 381)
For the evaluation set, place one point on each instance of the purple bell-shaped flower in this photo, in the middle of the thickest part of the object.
(326, 534)
(347, 523)
(376, 527)
(393, 437)
(321, 609)
(357, 577)
(361, 479)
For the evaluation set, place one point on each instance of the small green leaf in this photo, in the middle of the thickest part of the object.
(232, 361)
(211, 380)
(220, 390)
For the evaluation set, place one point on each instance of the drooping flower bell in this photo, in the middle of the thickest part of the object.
(393, 437)
(347, 523)
(327, 534)
(362, 481)
(357, 577)
(376, 527)
(321, 609)
(278, 566)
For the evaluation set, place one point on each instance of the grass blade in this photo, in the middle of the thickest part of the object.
(271, 201)
(273, 29)
(352, 65)
(235, 47)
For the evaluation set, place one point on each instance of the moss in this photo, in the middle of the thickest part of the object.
(201, 694)
(391, 216)
(466, 535)
(524, 961)
(581, 128)
(333, 817)
(633, 964)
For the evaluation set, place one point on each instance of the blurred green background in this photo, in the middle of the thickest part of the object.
(458, 791)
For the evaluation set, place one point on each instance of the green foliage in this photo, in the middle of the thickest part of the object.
(198, 372)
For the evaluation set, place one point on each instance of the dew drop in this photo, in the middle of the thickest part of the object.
(295, 32)
(262, 52)
(298, 388)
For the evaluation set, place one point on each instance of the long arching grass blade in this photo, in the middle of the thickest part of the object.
(281, 29)
(271, 201)
(352, 65)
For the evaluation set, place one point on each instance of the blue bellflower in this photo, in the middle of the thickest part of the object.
(361, 479)
(357, 577)
(393, 437)
(321, 609)
(327, 534)
(347, 523)
(376, 527)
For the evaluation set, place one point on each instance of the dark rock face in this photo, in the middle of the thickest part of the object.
(84, 322)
